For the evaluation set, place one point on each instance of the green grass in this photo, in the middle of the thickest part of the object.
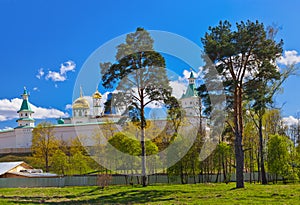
(155, 194)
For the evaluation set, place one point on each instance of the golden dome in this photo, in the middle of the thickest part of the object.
(97, 95)
(81, 103)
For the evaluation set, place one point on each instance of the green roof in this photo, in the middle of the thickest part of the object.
(24, 126)
(192, 75)
(26, 119)
(25, 106)
(60, 121)
(190, 92)
(25, 91)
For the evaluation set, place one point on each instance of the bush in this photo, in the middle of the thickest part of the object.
(103, 180)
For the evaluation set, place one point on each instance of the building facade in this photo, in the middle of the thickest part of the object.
(84, 120)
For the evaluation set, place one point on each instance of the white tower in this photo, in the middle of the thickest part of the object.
(97, 104)
(25, 112)
(23, 132)
(190, 100)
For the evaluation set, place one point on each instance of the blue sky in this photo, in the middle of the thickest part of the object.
(57, 36)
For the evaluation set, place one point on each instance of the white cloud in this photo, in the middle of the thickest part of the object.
(290, 120)
(67, 66)
(68, 106)
(55, 76)
(6, 128)
(9, 108)
(178, 88)
(58, 76)
(289, 58)
(40, 73)
(36, 89)
(44, 113)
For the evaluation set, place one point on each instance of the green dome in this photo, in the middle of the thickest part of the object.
(60, 121)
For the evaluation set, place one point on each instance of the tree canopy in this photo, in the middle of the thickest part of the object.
(241, 55)
(135, 75)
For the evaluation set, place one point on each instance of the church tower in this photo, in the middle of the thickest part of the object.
(81, 109)
(25, 112)
(97, 104)
(190, 100)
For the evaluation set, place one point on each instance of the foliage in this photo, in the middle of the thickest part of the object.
(175, 113)
(128, 144)
(279, 156)
(78, 162)
(125, 144)
(240, 56)
(63, 158)
(44, 144)
(60, 163)
(138, 84)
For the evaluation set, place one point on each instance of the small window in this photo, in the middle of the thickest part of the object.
(26, 114)
(21, 114)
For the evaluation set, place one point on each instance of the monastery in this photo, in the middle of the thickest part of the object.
(83, 120)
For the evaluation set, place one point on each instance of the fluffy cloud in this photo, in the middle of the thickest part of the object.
(289, 58)
(58, 76)
(290, 120)
(9, 108)
(55, 76)
(6, 128)
(44, 113)
(41, 73)
(68, 106)
(66, 67)
(178, 88)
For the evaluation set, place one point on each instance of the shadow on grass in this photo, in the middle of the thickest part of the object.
(97, 196)
(43, 198)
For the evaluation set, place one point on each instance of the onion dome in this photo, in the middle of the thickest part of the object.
(97, 95)
(81, 103)
(60, 121)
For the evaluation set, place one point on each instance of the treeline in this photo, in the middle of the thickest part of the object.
(53, 154)
(244, 59)
(282, 155)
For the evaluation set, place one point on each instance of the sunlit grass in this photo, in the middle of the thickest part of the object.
(155, 194)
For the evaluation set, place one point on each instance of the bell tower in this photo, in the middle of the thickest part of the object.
(97, 104)
(25, 112)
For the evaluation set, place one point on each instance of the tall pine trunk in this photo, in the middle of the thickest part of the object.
(261, 153)
(143, 147)
(238, 128)
(144, 174)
